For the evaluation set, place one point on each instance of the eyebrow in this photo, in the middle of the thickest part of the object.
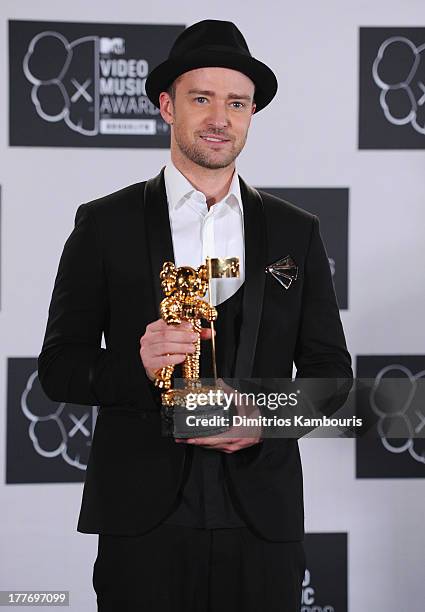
(230, 96)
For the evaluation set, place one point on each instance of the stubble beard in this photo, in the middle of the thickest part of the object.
(202, 158)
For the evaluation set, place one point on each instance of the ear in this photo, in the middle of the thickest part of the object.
(166, 107)
(168, 267)
(168, 271)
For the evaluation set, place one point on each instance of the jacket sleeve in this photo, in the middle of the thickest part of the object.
(321, 350)
(72, 366)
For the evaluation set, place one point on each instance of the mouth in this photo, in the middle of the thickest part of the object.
(215, 140)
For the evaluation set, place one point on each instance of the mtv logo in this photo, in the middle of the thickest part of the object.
(392, 408)
(391, 88)
(61, 97)
(47, 441)
(112, 45)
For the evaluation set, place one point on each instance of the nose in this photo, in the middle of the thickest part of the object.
(218, 116)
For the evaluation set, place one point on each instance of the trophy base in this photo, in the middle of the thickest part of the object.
(195, 411)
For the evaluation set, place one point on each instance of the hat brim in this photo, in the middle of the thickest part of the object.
(262, 76)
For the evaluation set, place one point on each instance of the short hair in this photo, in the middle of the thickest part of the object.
(171, 91)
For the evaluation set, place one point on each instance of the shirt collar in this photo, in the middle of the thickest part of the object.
(179, 189)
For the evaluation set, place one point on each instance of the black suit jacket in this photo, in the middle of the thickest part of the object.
(108, 282)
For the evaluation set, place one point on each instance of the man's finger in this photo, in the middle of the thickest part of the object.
(206, 333)
(207, 441)
(156, 325)
(160, 325)
(165, 360)
(164, 348)
(213, 441)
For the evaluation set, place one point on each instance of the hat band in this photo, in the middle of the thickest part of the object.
(213, 48)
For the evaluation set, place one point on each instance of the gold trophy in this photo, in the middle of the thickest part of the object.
(184, 288)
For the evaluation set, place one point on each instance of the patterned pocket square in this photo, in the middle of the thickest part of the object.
(284, 270)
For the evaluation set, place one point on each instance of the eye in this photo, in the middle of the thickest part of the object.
(238, 104)
(200, 99)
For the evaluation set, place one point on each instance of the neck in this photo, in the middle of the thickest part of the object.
(213, 183)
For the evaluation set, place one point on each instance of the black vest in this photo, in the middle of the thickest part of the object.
(204, 500)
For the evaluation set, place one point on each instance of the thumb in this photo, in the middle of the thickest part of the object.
(206, 333)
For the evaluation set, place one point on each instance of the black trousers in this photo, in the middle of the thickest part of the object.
(183, 569)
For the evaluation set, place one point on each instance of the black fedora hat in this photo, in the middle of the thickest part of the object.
(212, 43)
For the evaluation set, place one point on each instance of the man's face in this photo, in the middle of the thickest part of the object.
(211, 115)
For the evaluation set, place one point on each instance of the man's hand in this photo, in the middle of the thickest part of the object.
(163, 345)
(236, 438)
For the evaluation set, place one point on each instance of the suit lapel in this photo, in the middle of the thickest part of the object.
(158, 231)
(255, 264)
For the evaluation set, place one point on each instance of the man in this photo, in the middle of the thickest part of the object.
(211, 523)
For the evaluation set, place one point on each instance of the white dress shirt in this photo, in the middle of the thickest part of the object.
(198, 232)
